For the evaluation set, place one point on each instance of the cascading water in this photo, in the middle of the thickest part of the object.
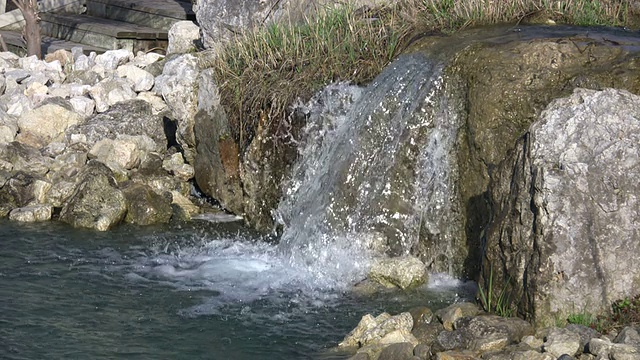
(375, 176)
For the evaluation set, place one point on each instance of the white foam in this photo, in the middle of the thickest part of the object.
(217, 218)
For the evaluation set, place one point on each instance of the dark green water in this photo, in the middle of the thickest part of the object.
(198, 292)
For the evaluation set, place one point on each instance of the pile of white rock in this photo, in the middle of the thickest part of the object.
(72, 118)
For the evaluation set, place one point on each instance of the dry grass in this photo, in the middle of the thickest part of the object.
(263, 72)
(453, 15)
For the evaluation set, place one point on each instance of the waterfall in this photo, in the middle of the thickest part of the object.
(375, 175)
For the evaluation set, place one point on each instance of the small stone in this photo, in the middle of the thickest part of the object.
(83, 105)
(561, 341)
(629, 336)
(142, 80)
(110, 91)
(183, 37)
(113, 58)
(33, 213)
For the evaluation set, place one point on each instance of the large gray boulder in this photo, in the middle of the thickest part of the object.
(133, 117)
(566, 208)
(96, 203)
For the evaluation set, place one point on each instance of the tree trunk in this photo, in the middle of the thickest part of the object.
(29, 9)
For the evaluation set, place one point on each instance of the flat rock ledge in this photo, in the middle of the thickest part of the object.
(463, 331)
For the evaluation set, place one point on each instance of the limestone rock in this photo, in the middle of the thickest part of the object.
(397, 351)
(144, 59)
(83, 62)
(110, 91)
(178, 86)
(69, 90)
(145, 207)
(404, 272)
(176, 166)
(113, 58)
(59, 193)
(62, 56)
(568, 221)
(562, 341)
(96, 203)
(629, 335)
(46, 123)
(84, 77)
(31, 213)
(117, 154)
(7, 131)
(449, 315)
(83, 105)
(25, 158)
(384, 329)
(18, 104)
(183, 37)
(133, 117)
(17, 191)
(484, 333)
(157, 104)
(184, 203)
(142, 80)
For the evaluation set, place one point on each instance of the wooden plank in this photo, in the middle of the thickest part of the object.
(10, 18)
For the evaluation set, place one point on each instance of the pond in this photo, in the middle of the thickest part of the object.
(197, 291)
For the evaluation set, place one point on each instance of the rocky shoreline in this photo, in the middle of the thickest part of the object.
(90, 140)
(462, 331)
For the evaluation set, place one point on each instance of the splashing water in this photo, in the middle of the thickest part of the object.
(374, 174)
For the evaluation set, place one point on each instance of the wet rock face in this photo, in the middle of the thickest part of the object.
(566, 207)
(217, 162)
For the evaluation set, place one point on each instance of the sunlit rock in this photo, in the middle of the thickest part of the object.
(178, 86)
(183, 37)
(567, 208)
(404, 272)
(47, 123)
(33, 213)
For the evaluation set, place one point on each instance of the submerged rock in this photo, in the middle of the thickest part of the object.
(566, 207)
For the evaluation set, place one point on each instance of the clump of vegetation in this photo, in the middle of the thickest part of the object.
(624, 312)
(264, 71)
(498, 302)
